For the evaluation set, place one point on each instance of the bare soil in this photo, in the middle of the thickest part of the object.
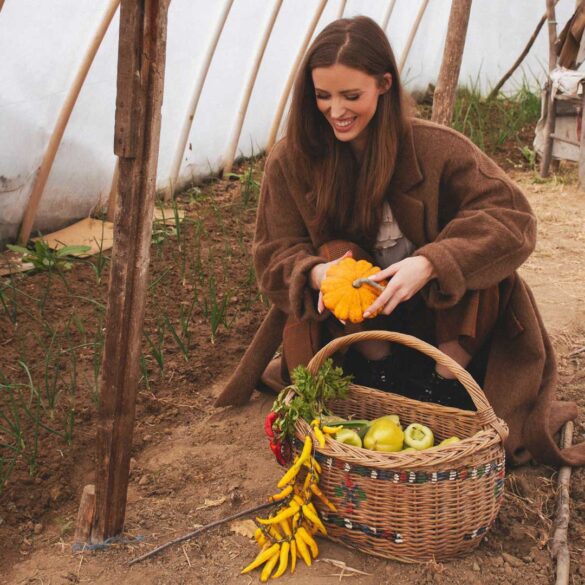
(193, 464)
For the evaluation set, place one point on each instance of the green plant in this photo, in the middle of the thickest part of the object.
(215, 309)
(43, 257)
(250, 186)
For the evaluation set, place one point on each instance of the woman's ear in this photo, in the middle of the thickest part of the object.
(385, 83)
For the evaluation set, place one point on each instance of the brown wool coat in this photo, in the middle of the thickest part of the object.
(475, 226)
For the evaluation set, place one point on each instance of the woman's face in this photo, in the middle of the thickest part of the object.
(348, 99)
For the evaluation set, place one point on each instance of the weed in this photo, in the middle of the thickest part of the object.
(250, 186)
(42, 257)
(215, 309)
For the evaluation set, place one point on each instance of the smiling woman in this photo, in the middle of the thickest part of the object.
(357, 175)
(348, 98)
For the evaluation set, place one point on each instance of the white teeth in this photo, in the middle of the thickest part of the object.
(344, 123)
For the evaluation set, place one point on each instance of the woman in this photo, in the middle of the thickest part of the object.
(355, 174)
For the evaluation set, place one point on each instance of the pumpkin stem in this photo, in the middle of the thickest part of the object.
(357, 283)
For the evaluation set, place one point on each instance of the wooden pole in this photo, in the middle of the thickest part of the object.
(292, 74)
(412, 34)
(386, 18)
(113, 197)
(341, 8)
(560, 545)
(521, 57)
(228, 159)
(38, 187)
(141, 65)
(446, 90)
(194, 101)
(548, 97)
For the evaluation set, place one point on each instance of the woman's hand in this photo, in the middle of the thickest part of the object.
(407, 277)
(317, 275)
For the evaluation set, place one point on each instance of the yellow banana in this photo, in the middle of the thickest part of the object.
(302, 549)
(268, 567)
(284, 550)
(309, 541)
(312, 516)
(293, 556)
(262, 557)
(281, 495)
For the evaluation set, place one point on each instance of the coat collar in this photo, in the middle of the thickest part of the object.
(407, 207)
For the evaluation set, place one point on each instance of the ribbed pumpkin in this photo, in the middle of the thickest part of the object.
(345, 301)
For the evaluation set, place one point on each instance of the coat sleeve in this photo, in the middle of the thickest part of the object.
(487, 228)
(283, 251)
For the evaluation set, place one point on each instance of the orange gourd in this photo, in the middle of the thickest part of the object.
(345, 301)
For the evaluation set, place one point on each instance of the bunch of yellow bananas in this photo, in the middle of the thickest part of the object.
(289, 529)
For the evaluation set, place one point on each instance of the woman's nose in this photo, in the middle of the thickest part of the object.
(337, 109)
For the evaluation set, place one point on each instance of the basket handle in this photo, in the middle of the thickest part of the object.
(485, 413)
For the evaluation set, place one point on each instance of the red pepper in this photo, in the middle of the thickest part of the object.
(277, 450)
(268, 422)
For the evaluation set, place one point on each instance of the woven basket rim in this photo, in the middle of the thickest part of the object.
(485, 413)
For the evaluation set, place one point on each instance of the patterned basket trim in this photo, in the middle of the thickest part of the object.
(415, 477)
(395, 537)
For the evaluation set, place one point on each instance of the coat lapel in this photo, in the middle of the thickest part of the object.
(407, 208)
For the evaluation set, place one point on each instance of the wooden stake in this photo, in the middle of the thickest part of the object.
(292, 75)
(548, 98)
(38, 187)
(194, 101)
(113, 198)
(521, 57)
(230, 153)
(445, 92)
(141, 65)
(341, 8)
(412, 34)
(560, 546)
(85, 516)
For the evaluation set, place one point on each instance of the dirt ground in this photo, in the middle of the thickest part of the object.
(193, 464)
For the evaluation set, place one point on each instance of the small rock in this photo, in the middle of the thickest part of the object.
(498, 561)
(143, 480)
(133, 463)
(476, 567)
(508, 570)
(38, 528)
(55, 493)
(146, 438)
(512, 560)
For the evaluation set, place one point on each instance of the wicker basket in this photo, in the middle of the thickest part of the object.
(415, 506)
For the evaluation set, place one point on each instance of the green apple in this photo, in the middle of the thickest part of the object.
(384, 435)
(348, 437)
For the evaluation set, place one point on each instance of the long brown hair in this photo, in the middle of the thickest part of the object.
(349, 194)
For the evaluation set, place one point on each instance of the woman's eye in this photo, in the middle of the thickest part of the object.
(320, 96)
(352, 98)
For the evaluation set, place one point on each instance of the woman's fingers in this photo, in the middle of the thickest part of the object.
(388, 300)
(387, 272)
(320, 304)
